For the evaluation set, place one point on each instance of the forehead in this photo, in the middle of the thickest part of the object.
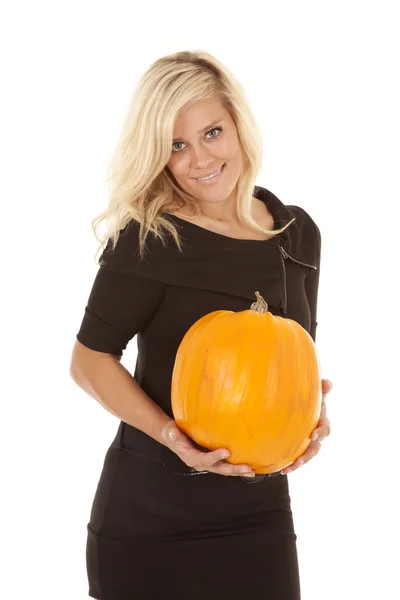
(192, 119)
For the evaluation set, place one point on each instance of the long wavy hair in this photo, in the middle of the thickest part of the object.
(141, 187)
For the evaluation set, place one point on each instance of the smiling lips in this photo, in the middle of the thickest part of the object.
(212, 176)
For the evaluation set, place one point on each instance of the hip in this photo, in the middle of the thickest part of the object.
(138, 497)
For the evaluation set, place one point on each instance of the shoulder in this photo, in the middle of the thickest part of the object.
(125, 258)
(283, 213)
(306, 224)
(125, 252)
(302, 239)
(303, 236)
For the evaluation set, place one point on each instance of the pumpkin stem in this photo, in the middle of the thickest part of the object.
(260, 306)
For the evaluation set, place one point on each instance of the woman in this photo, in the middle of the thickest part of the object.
(189, 233)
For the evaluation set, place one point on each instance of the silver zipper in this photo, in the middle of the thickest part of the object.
(286, 255)
(283, 256)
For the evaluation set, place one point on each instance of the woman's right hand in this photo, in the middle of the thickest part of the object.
(213, 461)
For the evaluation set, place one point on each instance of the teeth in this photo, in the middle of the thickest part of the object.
(210, 176)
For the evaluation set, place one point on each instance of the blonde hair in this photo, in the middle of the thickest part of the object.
(141, 187)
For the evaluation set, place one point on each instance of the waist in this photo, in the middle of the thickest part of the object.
(142, 446)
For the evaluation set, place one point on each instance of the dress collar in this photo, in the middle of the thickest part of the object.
(302, 239)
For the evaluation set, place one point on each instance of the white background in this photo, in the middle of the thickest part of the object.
(323, 81)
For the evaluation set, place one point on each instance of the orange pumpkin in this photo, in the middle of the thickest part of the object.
(250, 382)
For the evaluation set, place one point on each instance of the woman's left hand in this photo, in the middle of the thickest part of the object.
(322, 431)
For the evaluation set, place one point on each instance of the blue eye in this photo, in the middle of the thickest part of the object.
(219, 129)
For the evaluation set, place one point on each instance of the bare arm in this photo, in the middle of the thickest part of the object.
(121, 303)
(105, 379)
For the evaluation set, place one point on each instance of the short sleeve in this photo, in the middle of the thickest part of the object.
(311, 287)
(121, 302)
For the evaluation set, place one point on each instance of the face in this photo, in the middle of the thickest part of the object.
(205, 139)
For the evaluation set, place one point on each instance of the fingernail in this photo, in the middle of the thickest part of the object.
(314, 437)
(172, 434)
(300, 462)
(225, 454)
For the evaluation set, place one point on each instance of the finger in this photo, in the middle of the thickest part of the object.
(233, 470)
(223, 467)
(326, 386)
(207, 460)
(218, 455)
(215, 462)
(221, 463)
(321, 433)
(310, 453)
(228, 469)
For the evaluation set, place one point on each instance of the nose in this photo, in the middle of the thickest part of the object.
(200, 158)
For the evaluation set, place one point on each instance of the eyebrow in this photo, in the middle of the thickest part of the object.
(201, 130)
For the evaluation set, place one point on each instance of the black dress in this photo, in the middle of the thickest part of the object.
(158, 529)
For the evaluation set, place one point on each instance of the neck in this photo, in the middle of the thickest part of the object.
(223, 211)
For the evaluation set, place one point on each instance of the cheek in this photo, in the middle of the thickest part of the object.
(177, 166)
(230, 149)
